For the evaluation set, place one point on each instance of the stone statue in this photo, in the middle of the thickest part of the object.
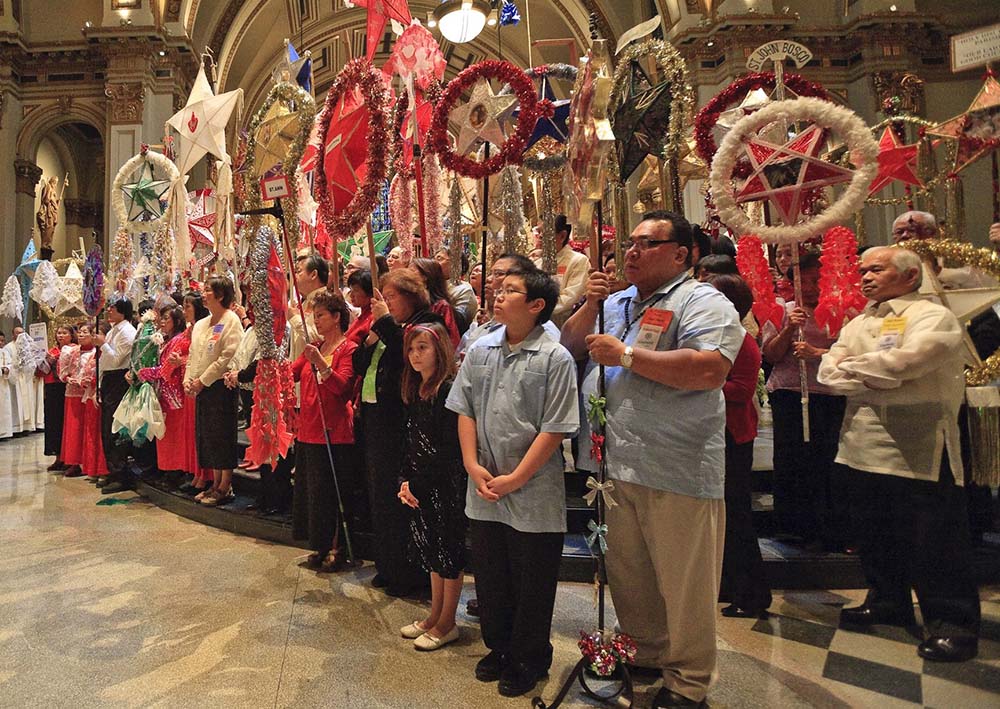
(47, 215)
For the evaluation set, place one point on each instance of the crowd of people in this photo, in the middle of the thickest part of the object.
(440, 426)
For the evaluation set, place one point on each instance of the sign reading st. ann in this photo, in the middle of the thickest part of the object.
(760, 58)
(976, 48)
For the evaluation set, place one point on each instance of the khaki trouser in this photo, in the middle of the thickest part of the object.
(664, 566)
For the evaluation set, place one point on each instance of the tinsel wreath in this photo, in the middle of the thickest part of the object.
(840, 297)
(753, 266)
(512, 211)
(512, 151)
(45, 285)
(986, 260)
(357, 74)
(12, 304)
(271, 429)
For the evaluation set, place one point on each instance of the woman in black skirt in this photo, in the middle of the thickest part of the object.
(214, 340)
(55, 395)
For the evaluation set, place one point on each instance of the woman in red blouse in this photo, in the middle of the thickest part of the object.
(326, 376)
(55, 396)
(171, 453)
(360, 285)
(742, 567)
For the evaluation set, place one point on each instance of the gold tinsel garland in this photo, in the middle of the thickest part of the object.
(985, 260)
(303, 105)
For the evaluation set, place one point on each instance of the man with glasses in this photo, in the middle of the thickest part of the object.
(669, 345)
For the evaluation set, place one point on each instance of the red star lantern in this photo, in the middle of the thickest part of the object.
(978, 129)
(895, 162)
(346, 149)
(785, 174)
(379, 14)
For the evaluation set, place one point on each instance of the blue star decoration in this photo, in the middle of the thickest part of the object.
(554, 127)
(509, 14)
(641, 121)
(297, 68)
(145, 196)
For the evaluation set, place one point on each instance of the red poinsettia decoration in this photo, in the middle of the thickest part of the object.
(840, 296)
(752, 262)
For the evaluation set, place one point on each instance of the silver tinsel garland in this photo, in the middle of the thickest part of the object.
(260, 293)
(548, 215)
(455, 224)
(512, 211)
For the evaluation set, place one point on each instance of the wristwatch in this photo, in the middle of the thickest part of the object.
(627, 357)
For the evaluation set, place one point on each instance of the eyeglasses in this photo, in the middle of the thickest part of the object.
(644, 243)
(496, 273)
(504, 292)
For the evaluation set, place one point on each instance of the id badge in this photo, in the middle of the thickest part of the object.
(215, 336)
(891, 333)
(653, 324)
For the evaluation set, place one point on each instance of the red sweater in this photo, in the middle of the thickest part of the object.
(740, 389)
(338, 389)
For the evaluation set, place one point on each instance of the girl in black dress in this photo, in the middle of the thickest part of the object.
(434, 480)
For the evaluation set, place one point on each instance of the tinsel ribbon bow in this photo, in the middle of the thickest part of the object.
(597, 409)
(597, 536)
(602, 488)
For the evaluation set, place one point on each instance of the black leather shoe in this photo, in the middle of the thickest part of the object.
(666, 698)
(378, 581)
(472, 607)
(735, 611)
(517, 679)
(115, 486)
(954, 649)
(872, 615)
(102, 480)
(73, 471)
(490, 667)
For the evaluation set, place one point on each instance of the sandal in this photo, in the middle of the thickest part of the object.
(332, 562)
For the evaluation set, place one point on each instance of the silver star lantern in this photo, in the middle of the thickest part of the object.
(480, 119)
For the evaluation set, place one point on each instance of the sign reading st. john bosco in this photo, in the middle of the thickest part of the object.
(778, 49)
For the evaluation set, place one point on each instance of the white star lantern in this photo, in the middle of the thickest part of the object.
(201, 124)
(480, 118)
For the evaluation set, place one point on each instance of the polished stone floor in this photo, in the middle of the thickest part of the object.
(129, 605)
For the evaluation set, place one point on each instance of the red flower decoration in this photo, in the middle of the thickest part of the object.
(840, 296)
(513, 149)
(709, 115)
(752, 262)
(357, 74)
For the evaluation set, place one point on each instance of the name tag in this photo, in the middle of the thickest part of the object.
(653, 324)
(214, 337)
(891, 333)
(561, 270)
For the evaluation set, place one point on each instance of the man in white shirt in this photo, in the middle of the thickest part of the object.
(900, 364)
(572, 269)
(113, 363)
(311, 274)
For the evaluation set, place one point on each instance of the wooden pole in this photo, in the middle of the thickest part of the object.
(372, 263)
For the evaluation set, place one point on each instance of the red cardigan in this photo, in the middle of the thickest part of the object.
(740, 389)
(338, 390)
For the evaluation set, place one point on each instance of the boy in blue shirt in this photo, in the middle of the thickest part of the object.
(516, 397)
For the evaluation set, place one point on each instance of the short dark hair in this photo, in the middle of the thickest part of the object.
(143, 306)
(522, 264)
(722, 246)
(562, 224)
(681, 229)
(333, 302)
(123, 306)
(734, 288)
(539, 284)
(702, 240)
(381, 264)
(176, 315)
(317, 264)
(715, 263)
(222, 288)
(809, 261)
(465, 263)
(197, 302)
(363, 279)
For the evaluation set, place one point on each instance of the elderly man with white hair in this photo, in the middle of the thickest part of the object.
(900, 364)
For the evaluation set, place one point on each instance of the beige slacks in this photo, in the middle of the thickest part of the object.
(664, 566)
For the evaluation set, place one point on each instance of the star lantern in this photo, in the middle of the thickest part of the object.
(641, 121)
(555, 127)
(70, 293)
(480, 119)
(346, 149)
(417, 54)
(275, 136)
(895, 162)
(590, 139)
(201, 217)
(145, 197)
(201, 124)
(294, 68)
(785, 174)
(977, 131)
(380, 12)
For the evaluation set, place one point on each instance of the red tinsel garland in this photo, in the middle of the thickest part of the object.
(752, 262)
(840, 296)
(362, 74)
(708, 116)
(512, 151)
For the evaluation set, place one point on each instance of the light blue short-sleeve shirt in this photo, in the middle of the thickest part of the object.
(657, 436)
(514, 396)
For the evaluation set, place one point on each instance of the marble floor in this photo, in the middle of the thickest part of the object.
(129, 605)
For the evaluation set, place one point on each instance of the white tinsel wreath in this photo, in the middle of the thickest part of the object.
(12, 305)
(860, 145)
(174, 218)
(45, 285)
